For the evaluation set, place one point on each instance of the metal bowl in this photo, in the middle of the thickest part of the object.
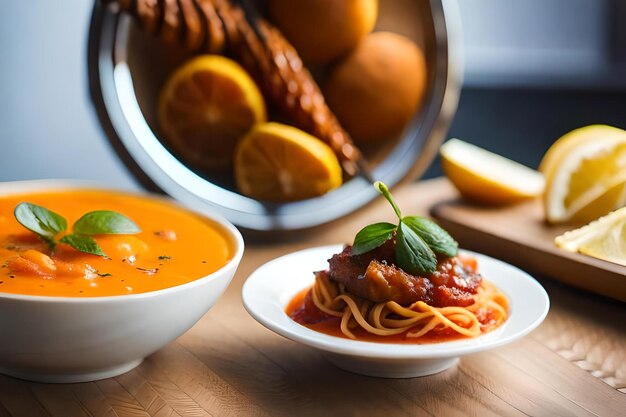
(127, 68)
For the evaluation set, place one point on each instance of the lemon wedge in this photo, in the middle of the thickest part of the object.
(276, 162)
(486, 177)
(604, 238)
(585, 174)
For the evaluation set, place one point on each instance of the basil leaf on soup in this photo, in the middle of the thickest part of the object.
(40, 220)
(83, 243)
(371, 237)
(105, 222)
(435, 237)
(413, 254)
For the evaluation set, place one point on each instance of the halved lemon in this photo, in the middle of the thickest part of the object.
(604, 238)
(585, 174)
(206, 107)
(276, 162)
(486, 177)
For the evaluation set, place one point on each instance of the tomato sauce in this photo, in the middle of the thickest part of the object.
(303, 311)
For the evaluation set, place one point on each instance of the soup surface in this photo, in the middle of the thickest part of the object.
(174, 246)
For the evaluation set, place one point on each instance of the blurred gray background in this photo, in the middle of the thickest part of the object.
(535, 69)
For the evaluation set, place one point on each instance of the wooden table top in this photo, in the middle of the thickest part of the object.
(574, 364)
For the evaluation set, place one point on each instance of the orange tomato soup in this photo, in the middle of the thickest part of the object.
(174, 246)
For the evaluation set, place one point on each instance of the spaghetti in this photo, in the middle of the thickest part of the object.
(488, 311)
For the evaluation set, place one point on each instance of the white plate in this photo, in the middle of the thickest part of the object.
(269, 289)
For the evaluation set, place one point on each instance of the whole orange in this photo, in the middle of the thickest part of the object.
(322, 30)
(378, 87)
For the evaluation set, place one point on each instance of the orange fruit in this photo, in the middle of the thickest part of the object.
(378, 87)
(206, 106)
(322, 30)
(276, 162)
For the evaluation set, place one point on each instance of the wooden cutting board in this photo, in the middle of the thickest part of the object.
(518, 235)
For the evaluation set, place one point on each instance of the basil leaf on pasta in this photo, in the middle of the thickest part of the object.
(413, 254)
(435, 237)
(371, 237)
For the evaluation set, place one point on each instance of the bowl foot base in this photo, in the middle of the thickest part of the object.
(392, 368)
(62, 378)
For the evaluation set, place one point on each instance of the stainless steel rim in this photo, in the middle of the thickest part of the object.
(112, 91)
